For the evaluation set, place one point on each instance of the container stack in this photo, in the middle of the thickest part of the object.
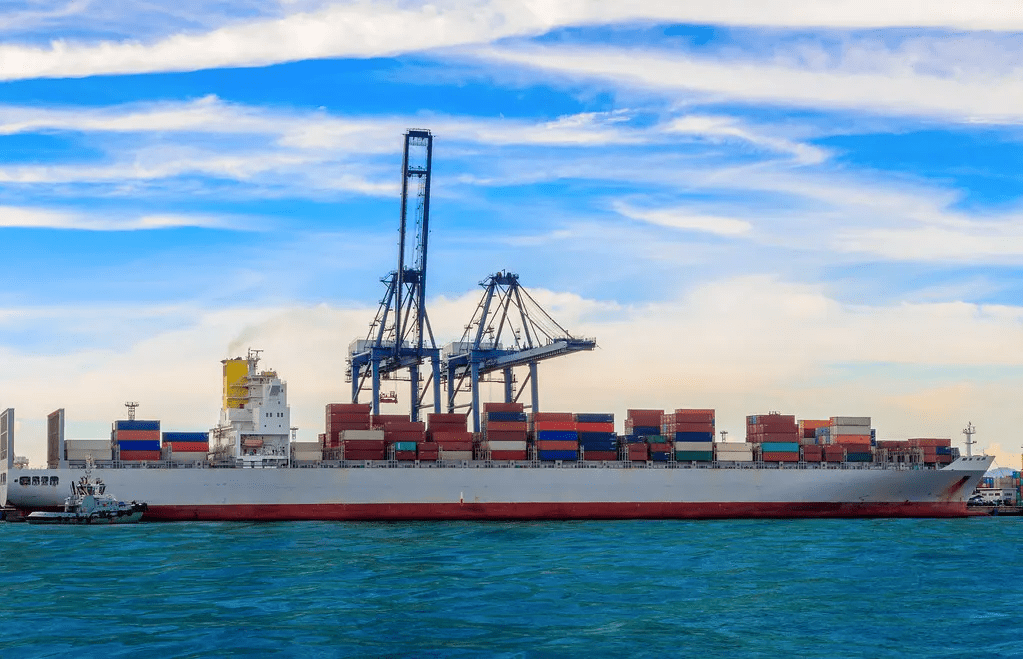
(597, 438)
(342, 417)
(363, 444)
(834, 453)
(505, 430)
(734, 451)
(643, 422)
(808, 430)
(557, 435)
(772, 428)
(447, 438)
(640, 426)
(812, 452)
(934, 450)
(399, 429)
(186, 446)
(692, 434)
(780, 451)
(853, 434)
(136, 440)
(406, 450)
(306, 451)
(98, 450)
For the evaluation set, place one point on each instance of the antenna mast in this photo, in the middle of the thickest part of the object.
(969, 431)
(131, 405)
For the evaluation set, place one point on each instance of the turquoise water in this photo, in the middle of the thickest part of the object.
(802, 588)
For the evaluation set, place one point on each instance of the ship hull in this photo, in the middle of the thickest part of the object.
(481, 491)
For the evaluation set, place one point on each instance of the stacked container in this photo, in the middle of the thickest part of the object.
(556, 435)
(363, 444)
(135, 440)
(186, 446)
(807, 430)
(691, 433)
(306, 451)
(446, 436)
(772, 428)
(935, 450)
(734, 451)
(342, 417)
(597, 438)
(643, 422)
(405, 450)
(853, 434)
(505, 430)
(399, 429)
(780, 451)
(812, 452)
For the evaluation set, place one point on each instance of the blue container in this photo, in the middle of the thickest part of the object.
(599, 446)
(635, 439)
(186, 437)
(506, 416)
(139, 444)
(594, 418)
(557, 435)
(558, 455)
(858, 457)
(694, 437)
(136, 425)
(596, 436)
(943, 450)
(646, 430)
(822, 432)
(781, 447)
(660, 456)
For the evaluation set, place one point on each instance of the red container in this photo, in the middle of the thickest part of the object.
(781, 457)
(554, 425)
(341, 417)
(503, 407)
(689, 416)
(594, 427)
(136, 434)
(857, 447)
(405, 455)
(508, 455)
(432, 457)
(450, 445)
(557, 445)
(363, 455)
(846, 440)
(930, 441)
(644, 417)
(349, 408)
(404, 436)
(451, 435)
(638, 452)
(506, 435)
(690, 427)
(544, 417)
(519, 426)
(812, 453)
(446, 418)
(661, 448)
(364, 444)
(188, 447)
(600, 455)
(140, 455)
(400, 426)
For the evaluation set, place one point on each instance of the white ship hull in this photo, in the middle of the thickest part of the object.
(479, 491)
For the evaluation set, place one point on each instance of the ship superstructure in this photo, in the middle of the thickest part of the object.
(255, 419)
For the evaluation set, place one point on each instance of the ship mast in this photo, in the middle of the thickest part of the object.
(969, 431)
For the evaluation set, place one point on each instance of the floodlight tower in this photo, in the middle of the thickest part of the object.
(400, 336)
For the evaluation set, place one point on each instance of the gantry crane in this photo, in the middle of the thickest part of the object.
(507, 312)
(400, 336)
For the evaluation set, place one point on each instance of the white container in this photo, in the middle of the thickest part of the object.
(736, 456)
(732, 446)
(87, 444)
(694, 446)
(307, 456)
(455, 455)
(850, 421)
(503, 446)
(837, 431)
(97, 454)
(305, 447)
(362, 434)
(187, 456)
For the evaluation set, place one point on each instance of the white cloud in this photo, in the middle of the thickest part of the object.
(886, 86)
(42, 218)
(683, 218)
(364, 29)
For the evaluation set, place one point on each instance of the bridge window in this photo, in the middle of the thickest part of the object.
(54, 481)
(24, 480)
(35, 480)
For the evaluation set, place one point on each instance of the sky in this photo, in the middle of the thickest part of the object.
(804, 206)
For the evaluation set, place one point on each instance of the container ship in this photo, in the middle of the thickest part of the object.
(520, 467)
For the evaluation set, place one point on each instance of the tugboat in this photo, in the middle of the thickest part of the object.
(89, 503)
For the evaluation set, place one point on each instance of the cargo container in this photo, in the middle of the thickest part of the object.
(134, 435)
(132, 456)
(136, 424)
(600, 455)
(138, 445)
(557, 454)
(194, 447)
(782, 456)
(694, 456)
(506, 446)
(508, 455)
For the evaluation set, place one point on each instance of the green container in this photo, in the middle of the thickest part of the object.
(404, 446)
(781, 447)
(656, 439)
(688, 456)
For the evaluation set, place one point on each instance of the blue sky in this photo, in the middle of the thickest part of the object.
(809, 206)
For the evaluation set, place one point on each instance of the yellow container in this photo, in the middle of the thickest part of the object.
(236, 372)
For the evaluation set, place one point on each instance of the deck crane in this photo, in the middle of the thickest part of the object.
(400, 336)
(508, 329)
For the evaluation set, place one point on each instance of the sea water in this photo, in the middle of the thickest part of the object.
(761, 588)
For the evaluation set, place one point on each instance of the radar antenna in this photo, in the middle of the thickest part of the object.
(969, 431)
(131, 405)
